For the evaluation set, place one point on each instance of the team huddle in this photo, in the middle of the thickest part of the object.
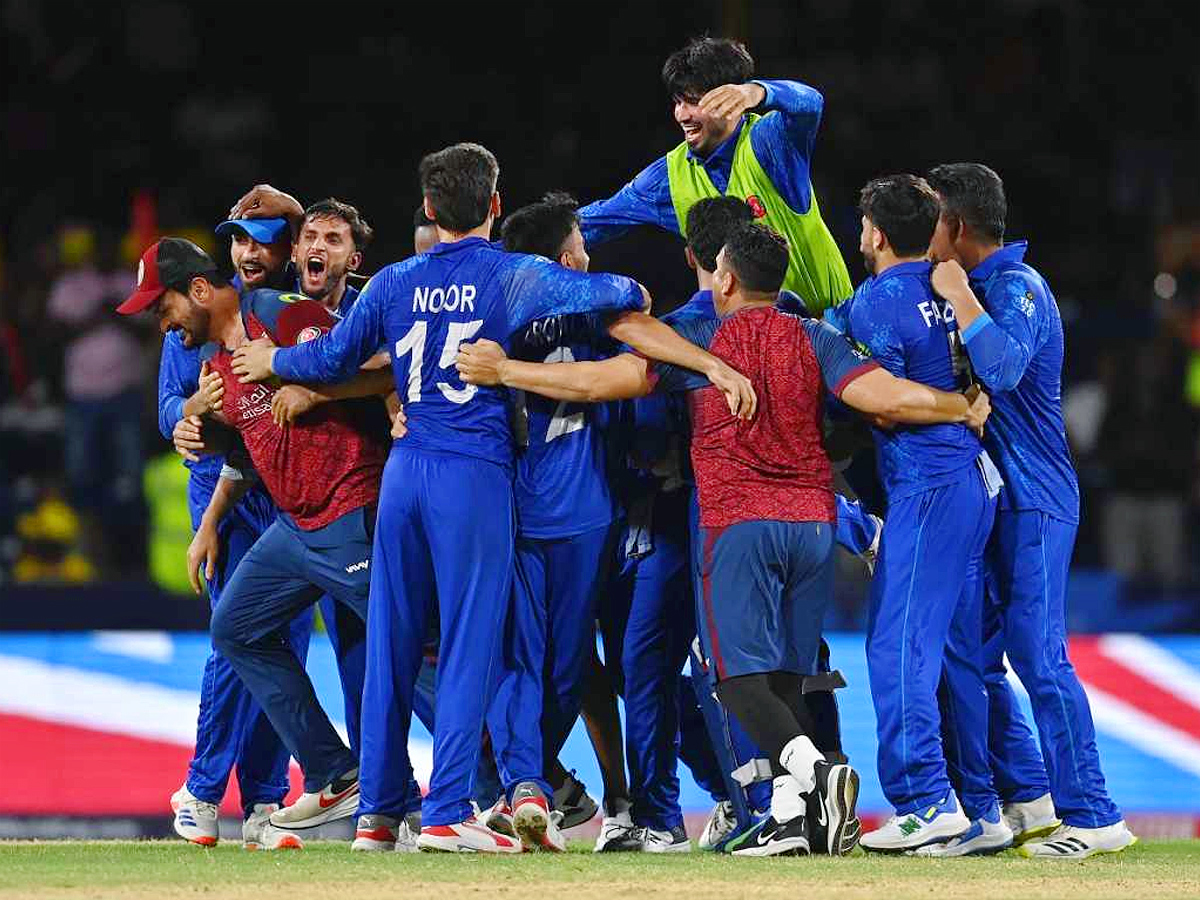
(489, 455)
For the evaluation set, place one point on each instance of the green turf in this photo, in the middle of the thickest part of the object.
(330, 871)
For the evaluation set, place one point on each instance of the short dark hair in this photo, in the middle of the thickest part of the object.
(974, 194)
(459, 182)
(541, 227)
(331, 208)
(420, 220)
(905, 208)
(758, 256)
(706, 63)
(709, 222)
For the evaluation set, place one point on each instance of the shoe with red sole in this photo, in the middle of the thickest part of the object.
(466, 837)
(533, 821)
(195, 819)
(337, 800)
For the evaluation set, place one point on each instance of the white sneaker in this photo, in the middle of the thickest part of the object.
(385, 833)
(259, 834)
(276, 838)
(1069, 842)
(1031, 818)
(987, 834)
(532, 821)
(195, 819)
(618, 834)
(337, 800)
(466, 837)
(720, 824)
(939, 822)
(673, 841)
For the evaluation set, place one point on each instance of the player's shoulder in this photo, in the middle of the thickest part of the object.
(207, 351)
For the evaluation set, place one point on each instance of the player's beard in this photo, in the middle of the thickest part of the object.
(196, 327)
(869, 262)
(332, 276)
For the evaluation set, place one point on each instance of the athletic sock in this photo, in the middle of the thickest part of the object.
(799, 756)
(786, 799)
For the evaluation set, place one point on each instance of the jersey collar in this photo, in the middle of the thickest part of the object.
(1005, 256)
(456, 246)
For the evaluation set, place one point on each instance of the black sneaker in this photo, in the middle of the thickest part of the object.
(833, 826)
(773, 838)
(573, 801)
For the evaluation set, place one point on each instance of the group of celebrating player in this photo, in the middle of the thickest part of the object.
(559, 459)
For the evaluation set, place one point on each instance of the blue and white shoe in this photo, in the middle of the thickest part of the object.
(933, 824)
(987, 834)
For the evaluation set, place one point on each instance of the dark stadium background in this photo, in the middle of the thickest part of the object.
(125, 119)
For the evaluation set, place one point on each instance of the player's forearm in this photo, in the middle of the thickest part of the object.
(919, 404)
(367, 383)
(798, 104)
(226, 495)
(999, 360)
(879, 393)
(659, 341)
(620, 378)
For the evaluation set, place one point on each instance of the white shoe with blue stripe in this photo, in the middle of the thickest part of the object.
(987, 834)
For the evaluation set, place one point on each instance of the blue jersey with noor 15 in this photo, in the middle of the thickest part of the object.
(912, 333)
(561, 487)
(424, 307)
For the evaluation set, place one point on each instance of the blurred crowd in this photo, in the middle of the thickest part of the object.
(1093, 123)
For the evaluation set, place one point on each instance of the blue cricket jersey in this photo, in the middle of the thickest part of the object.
(424, 307)
(1016, 348)
(912, 333)
(561, 486)
(783, 143)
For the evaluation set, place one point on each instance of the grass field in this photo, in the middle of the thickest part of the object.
(328, 871)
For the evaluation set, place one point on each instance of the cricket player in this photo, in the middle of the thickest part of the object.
(750, 139)
(926, 595)
(446, 524)
(231, 728)
(1014, 337)
(321, 541)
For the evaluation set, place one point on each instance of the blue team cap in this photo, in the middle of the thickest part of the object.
(265, 231)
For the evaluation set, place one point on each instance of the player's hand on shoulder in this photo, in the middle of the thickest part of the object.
(292, 401)
(979, 409)
(729, 101)
(252, 361)
(950, 279)
(265, 202)
(738, 391)
(481, 362)
(203, 551)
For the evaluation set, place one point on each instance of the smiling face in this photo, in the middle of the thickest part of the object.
(177, 311)
(702, 132)
(323, 254)
(255, 263)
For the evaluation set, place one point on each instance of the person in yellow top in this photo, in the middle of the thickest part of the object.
(751, 139)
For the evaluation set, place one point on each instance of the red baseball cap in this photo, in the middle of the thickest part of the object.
(168, 264)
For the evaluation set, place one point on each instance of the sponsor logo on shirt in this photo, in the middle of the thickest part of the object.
(756, 206)
(308, 334)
